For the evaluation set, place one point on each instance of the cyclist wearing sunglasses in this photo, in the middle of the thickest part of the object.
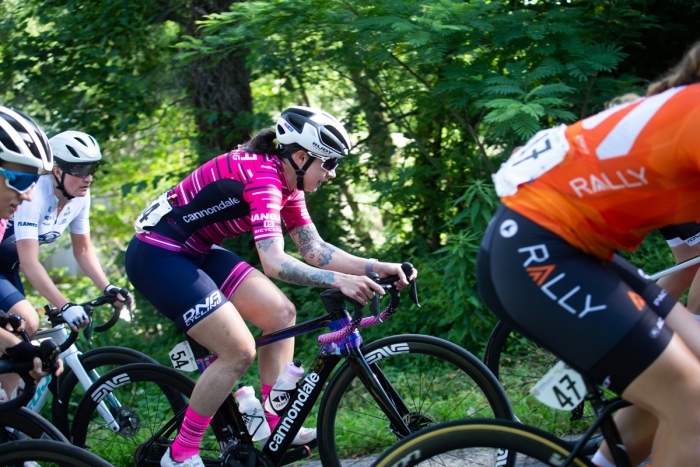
(61, 200)
(176, 262)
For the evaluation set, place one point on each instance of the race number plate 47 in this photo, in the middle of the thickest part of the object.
(540, 154)
(561, 388)
(182, 358)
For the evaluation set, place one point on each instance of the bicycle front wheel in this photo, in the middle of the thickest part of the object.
(46, 453)
(95, 362)
(22, 423)
(148, 397)
(433, 379)
(480, 443)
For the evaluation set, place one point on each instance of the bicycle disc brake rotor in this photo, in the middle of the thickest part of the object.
(245, 456)
(129, 422)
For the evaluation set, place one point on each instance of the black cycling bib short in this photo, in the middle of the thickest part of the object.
(605, 319)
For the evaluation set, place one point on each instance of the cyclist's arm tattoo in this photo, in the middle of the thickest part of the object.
(310, 243)
(264, 245)
(296, 272)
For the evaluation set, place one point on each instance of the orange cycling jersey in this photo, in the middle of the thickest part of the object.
(622, 173)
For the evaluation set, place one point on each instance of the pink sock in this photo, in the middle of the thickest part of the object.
(186, 444)
(272, 419)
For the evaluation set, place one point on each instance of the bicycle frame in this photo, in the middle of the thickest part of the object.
(310, 386)
(71, 358)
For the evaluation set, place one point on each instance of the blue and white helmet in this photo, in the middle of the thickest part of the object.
(318, 132)
(23, 141)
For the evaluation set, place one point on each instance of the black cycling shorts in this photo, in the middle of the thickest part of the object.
(681, 233)
(605, 319)
(184, 288)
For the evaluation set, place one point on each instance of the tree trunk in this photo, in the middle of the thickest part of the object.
(220, 90)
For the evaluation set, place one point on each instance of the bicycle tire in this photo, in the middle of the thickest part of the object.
(102, 359)
(519, 364)
(480, 443)
(48, 454)
(437, 380)
(142, 414)
(27, 424)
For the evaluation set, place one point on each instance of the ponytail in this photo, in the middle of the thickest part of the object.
(686, 72)
(262, 143)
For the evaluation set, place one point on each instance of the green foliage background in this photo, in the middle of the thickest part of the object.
(434, 92)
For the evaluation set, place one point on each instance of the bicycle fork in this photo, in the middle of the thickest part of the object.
(73, 361)
(383, 393)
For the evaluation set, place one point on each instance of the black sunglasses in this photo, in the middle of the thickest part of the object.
(80, 170)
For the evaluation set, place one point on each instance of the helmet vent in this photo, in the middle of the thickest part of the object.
(7, 141)
(296, 121)
(81, 141)
(280, 130)
(335, 143)
(73, 151)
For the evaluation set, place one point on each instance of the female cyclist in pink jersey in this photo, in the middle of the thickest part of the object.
(176, 263)
(571, 197)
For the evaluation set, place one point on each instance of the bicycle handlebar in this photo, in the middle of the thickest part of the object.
(334, 297)
(56, 318)
(49, 356)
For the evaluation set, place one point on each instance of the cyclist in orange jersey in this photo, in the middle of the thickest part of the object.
(571, 197)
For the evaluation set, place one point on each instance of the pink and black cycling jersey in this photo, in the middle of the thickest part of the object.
(227, 196)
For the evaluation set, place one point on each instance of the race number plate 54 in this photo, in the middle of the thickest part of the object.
(182, 358)
(561, 388)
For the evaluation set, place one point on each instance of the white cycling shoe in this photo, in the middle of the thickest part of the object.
(305, 436)
(168, 461)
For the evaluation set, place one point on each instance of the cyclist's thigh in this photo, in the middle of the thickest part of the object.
(255, 296)
(570, 302)
(173, 283)
(11, 290)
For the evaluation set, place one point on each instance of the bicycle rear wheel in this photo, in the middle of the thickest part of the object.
(100, 361)
(433, 378)
(519, 364)
(150, 397)
(47, 454)
(480, 443)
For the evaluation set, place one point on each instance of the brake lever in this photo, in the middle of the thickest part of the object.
(412, 286)
(87, 332)
(374, 302)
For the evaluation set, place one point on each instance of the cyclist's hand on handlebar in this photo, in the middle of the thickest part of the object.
(122, 294)
(11, 322)
(394, 269)
(26, 352)
(75, 315)
(360, 288)
(38, 372)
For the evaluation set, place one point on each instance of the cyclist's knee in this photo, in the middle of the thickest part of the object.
(239, 359)
(678, 402)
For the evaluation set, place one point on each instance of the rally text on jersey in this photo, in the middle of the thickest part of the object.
(603, 182)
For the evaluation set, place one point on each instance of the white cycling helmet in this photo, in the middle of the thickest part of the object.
(75, 153)
(75, 147)
(23, 141)
(317, 132)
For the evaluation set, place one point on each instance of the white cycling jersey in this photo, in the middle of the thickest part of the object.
(37, 219)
